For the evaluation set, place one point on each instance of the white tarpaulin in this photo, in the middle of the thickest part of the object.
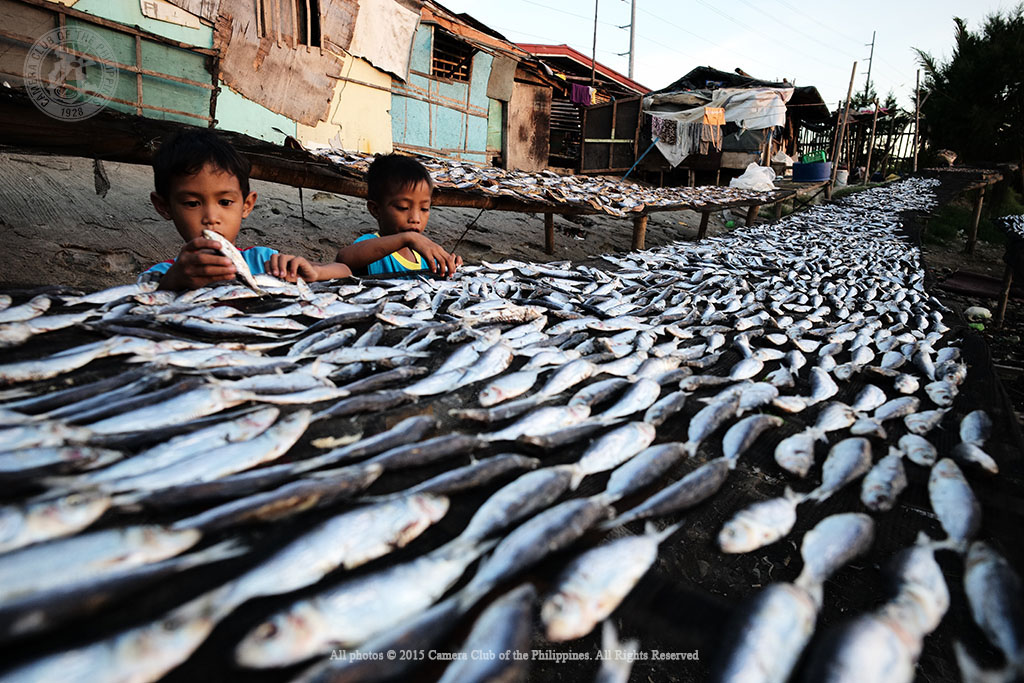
(383, 35)
(749, 108)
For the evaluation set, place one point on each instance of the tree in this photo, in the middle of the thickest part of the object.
(974, 103)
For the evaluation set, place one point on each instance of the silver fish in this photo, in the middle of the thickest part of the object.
(744, 433)
(941, 393)
(954, 503)
(918, 449)
(795, 453)
(994, 594)
(354, 611)
(348, 540)
(527, 544)
(822, 386)
(830, 545)
(975, 427)
(847, 460)
(507, 386)
(44, 566)
(593, 584)
(504, 627)
(643, 469)
(694, 488)
(868, 399)
(542, 421)
(760, 524)
(775, 627)
(707, 420)
(970, 452)
(525, 495)
(222, 461)
(34, 522)
(884, 483)
(665, 408)
(925, 421)
(613, 449)
(639, 397)
(567, 376)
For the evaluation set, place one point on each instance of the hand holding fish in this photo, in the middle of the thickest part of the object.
(199, 263)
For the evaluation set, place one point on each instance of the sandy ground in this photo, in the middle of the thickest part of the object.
(58, 231)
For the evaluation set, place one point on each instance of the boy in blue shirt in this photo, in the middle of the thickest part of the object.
(398, 196)
(202, 183)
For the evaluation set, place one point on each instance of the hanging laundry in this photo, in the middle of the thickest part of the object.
(663, 129)
(580, 95)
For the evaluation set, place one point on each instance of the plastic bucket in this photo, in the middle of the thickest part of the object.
(842, 177)
(813, 172)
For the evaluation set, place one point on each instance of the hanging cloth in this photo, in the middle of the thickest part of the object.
(580, 94)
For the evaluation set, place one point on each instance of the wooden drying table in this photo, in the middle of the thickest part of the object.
(113, 136)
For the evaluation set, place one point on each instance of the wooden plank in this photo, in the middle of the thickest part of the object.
(752, 214)
(972, 239)
(549, 232)
(639, 231)
(702, 231)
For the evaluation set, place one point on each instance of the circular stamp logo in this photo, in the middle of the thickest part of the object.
(65, 73)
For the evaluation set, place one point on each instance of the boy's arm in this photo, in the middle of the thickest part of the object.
(287, 267)
(359, 255)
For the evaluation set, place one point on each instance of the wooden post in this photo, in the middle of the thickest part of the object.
(690, 177)
(549, 233)
(1004, 297)
(752, 214)
(973, 238)
(639, 231)
(778, 211)
(702, 231)
(917, 115)
(842, 132)
(871, 145)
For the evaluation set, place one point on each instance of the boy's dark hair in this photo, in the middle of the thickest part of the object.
(391, 172)
(186, 152)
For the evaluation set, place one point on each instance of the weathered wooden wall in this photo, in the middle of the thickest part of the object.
(529, 117)
(441, 116)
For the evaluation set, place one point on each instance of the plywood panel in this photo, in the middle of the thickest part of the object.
(529, 117)
(290, 80)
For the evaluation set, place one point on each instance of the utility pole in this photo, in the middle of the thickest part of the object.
(867, 86)
(632, 36)
(593, 53)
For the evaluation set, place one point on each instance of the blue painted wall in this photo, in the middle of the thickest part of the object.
(433, 113)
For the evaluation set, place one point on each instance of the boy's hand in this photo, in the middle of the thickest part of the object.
(199, 263)
(438, 260)
(289, 267)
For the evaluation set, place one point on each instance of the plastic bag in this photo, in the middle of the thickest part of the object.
(755, 178)
(782, 158)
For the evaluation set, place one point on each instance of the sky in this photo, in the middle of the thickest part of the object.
(809, 43)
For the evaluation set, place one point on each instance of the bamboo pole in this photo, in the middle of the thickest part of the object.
(846, 113)
(549, 233)
(871, 145)
(917, 114)
(593, 53)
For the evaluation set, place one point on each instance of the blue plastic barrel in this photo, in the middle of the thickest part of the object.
(812, 173)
